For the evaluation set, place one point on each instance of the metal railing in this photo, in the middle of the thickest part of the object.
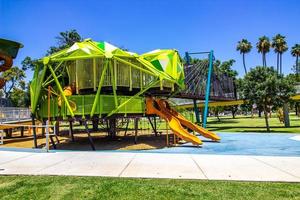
(8, 114)
(47, 130)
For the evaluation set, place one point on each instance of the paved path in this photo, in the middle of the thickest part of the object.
(152, 165)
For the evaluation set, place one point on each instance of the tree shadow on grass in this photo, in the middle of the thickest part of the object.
(227, 121)
(253, 129)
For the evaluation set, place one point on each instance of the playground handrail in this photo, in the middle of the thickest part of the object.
(47, 134)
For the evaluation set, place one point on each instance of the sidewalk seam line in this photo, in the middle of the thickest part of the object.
(120, 174)
(199, 167)
(16, 159)
(56, 163)
(286, 172)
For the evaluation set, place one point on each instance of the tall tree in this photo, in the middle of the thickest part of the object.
(64, 40)
(296, 53)
(280, 46)
(264, 87)
(244, 46)
(263, 46)
(14, 78)
(226, 68)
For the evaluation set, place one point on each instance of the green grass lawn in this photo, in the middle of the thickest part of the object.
(256, 124)
(66, 187)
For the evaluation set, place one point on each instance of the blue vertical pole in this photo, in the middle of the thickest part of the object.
(207, 93)
(196, 110)
(187, 57)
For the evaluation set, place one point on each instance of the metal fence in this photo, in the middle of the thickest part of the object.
(8, 114)
(47, 127)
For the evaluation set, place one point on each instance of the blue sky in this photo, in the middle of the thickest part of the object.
(141, 26)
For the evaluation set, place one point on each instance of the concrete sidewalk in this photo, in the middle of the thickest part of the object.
(152, 165)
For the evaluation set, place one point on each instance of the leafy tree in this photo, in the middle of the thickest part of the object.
(296, 53)
(280, 46)
(263, 46)
(225, 67)
(14, 88)
(264, 87)
(19, 97)
(28, 63)
(14, 78)
(64, 40)
(244, 46)
(216, 110)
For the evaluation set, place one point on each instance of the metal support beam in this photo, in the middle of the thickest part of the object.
(34, 131)
(126, 129)
(136, 95)
(95, 122)
(61, 91)
(22, 131)
(196, 110)
(71, 132)
(49, 77)
(99, 89)
(187, 57)
(89, 135)
(153, 125)
(112, 127)
(136, 127)
(113, 81)
(207, 92)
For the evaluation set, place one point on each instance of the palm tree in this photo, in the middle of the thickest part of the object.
(244, 47)
(263, 46)
(296, 53)
(280, 46)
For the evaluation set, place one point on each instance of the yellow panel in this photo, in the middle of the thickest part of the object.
(214, 104)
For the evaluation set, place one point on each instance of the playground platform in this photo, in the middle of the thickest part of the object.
(151, 165)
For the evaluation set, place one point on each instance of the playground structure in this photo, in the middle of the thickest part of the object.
(98, 82)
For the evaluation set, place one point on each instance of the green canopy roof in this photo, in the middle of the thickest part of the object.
(166, 63)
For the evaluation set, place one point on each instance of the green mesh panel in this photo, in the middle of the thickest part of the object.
(84, 105)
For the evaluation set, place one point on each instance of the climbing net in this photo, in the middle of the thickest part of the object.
(222, 86)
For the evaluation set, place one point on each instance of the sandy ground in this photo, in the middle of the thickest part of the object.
(145, 140)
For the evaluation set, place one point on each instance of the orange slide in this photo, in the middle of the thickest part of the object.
(158, 108)
(161, 108)
(192, 126)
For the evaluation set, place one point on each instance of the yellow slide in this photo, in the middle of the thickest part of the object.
(192, 126)
(159, 108)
